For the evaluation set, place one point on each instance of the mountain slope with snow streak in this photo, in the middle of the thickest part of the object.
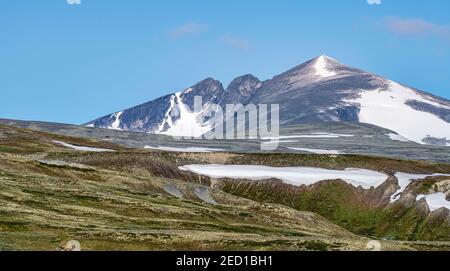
(187, 123)
(116, 124)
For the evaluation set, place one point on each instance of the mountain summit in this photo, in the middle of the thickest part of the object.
(319, 90)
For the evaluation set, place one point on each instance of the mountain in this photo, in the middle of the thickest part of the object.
(317, 91)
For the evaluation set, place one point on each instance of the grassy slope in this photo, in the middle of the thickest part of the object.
(43, 204)
(118, 202)
(337, 201)
(342, 203)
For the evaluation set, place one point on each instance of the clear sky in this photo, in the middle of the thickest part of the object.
(73, 63)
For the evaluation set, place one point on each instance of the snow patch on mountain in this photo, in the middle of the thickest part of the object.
(82, 148)
(276, 142)
(396, 137)
(313, 135)
(187, 149)
(186, 123)
(291, 175)
(435, 201)
(115, 125)
(404, 179)
(387, 108)
(316, 151)
(321, 67)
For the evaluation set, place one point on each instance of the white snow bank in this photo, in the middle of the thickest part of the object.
(290, 175)
(188, 149)
(435, 201)
(396, 137)
(404, 179)
(388, 109)
(81, 148)
(186, 123)
(116, 124)
(317, 151)
(277, 142)
(314, 135)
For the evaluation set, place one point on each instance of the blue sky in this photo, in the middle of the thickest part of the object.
(73, 63)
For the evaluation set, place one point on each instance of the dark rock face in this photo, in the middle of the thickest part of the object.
(436, 141)
(148, 117)
(422, 208)
(142, 118)
(209, 89)
(442, 113)
(440, 216)
(241, 90)
(348, 113)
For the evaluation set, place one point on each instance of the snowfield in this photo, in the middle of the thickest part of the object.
(116, 124)
(435, 201)
(188, 124)
(307, 176)
(277, 142)
(388, 109)
(396, 137)
(314, 135)
(291, 175)
(81, 148)
(188, 149)
(404, 179)
(317, 151)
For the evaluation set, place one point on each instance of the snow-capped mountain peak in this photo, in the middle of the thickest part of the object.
(322, 68)
(319, 90)
(244, 85)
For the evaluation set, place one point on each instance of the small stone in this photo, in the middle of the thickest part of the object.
(72, 245)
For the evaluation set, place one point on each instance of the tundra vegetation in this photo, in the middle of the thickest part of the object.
(137, 199)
